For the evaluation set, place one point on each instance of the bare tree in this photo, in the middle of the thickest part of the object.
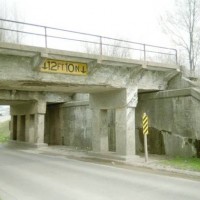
(115, 48)
(2, 15)
(9, 11)
(119, 48)
(183, 25)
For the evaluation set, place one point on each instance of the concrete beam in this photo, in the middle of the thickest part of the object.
(171, 74)
(14, 97)
(31, 51)
(19, 70)
(23, 109)
(161, 66)
(37, 60)
(171, 93)
(114, 99)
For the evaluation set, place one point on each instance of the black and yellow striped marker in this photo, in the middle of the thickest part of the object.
(145, 124)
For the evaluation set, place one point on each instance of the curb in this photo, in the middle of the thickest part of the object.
(135, 162)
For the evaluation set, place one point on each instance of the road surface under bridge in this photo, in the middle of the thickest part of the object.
(28, 176)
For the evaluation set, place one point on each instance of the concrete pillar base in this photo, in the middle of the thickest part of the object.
(113, 156)
(26, 144)
(100, 130)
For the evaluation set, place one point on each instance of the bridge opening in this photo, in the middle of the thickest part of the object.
(70, 124)
(52, 133)
(4, 123)
(14, 127)
(18, 127)
(24, 119)
(111, 131)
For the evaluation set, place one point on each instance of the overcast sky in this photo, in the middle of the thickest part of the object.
(135, 20)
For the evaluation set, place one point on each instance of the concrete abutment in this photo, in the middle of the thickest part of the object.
(173, 122)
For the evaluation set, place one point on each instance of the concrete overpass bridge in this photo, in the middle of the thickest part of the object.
(39, 82)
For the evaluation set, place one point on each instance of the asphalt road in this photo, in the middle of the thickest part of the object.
(27, 176)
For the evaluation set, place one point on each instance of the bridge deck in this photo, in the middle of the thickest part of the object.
(20, 71)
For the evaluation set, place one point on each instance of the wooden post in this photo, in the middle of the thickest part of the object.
(145, 148)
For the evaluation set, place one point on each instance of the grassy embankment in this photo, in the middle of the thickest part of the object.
(184, 163)
(4, 131)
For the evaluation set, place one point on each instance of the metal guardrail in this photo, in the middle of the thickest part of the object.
(100, 42)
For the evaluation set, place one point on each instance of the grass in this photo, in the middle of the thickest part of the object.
(4, 131)
(184, 163)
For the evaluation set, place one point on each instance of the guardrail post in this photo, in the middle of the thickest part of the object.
(45, 35)
(100, 46)
(176, 56)
(144, 49)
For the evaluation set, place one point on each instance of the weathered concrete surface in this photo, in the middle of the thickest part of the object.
(113, 85)
(12, 97)
(173, 116)
(19, 71)
(46, 109)
(76, 126)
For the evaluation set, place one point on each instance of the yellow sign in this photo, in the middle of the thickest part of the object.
(145, 124)
(64, 67)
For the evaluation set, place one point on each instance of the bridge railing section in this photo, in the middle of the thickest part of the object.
(49, 37)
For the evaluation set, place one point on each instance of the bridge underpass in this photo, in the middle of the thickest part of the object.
(77, 98)
(37, 96)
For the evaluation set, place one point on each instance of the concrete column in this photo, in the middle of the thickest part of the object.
(125, 131)
(125, 124)
(99, 130)
(12, 131)
(39, 128)
(124, 102)
(29, 128)
(39, 123)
